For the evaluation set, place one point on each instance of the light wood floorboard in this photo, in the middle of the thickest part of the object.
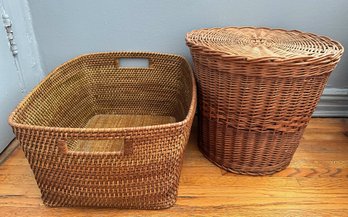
(315, 183)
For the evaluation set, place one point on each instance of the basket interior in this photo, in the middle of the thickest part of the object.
(114, 121)
(93, 91)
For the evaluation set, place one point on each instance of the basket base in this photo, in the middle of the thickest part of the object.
(244, 151)
(115, 121)
(121, 121)
(250, 171)
(160, 205)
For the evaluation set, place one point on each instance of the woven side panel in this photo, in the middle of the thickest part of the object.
(245, 151)
(116, 90)
(258, 103)
(147, 178)
(253, 125)
(62, 100)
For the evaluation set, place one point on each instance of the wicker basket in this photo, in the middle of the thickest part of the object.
(257, 89)
(97, 134)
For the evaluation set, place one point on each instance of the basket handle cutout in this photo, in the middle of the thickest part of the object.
(92, 146)
(133, 62)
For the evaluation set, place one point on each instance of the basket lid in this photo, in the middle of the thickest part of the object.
(250, 43)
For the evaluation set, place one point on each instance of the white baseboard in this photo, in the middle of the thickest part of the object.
(333, 103)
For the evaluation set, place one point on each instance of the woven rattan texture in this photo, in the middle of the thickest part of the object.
(142, 168)
(115, 121)
(257, 90)
(264, 44)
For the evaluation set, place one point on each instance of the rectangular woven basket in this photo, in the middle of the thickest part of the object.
(97, 134)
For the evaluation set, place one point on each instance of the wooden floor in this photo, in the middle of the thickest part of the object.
(315, 184)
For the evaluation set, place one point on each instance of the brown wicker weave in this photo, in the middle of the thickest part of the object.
(96, 134)
(257, 89)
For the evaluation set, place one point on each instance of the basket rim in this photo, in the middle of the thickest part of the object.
(181, 123)
(265, 60)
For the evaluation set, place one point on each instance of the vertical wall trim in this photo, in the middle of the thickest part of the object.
(7, 23)
(36, 61)
(27, 58)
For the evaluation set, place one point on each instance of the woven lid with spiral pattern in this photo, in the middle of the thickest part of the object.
(250, 43)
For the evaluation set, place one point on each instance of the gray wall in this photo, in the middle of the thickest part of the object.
(67, 28)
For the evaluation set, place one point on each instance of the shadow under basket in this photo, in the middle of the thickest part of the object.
(100, 135)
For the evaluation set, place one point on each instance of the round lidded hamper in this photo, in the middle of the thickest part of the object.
(257, 89)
